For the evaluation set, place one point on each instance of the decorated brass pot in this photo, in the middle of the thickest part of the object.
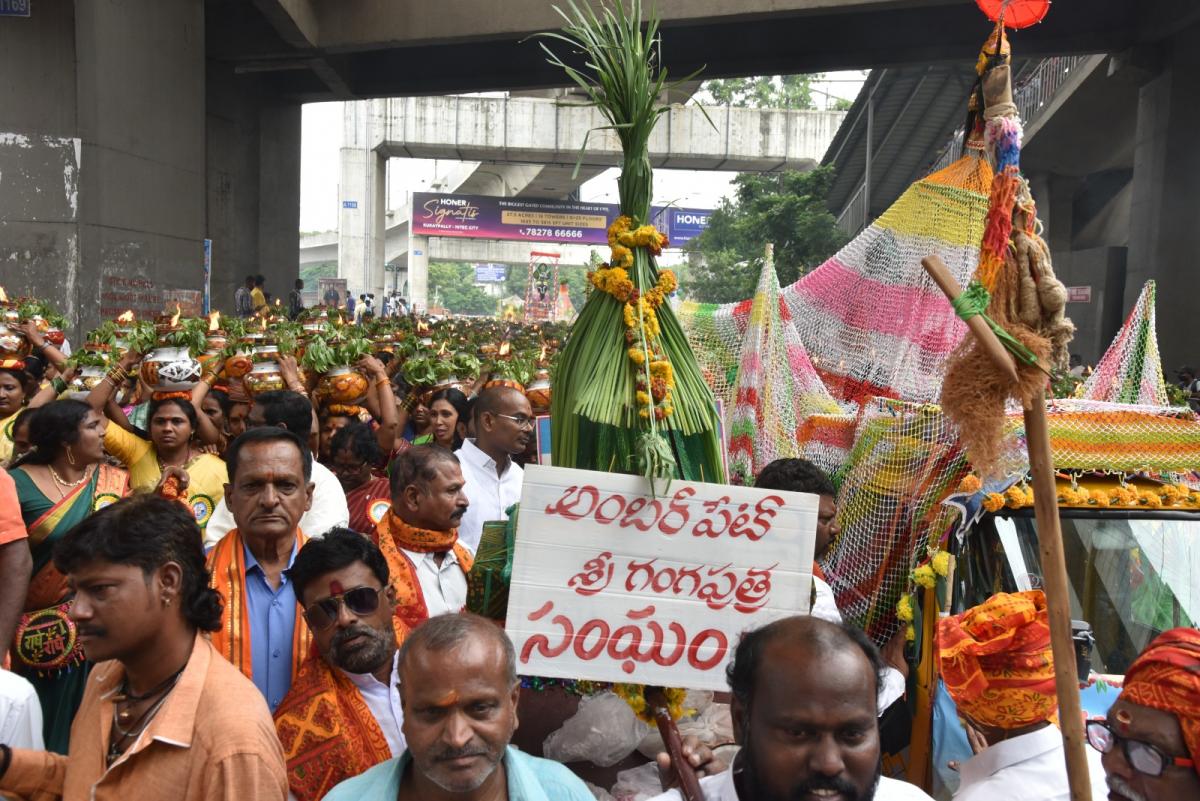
(343, 385)
(87, 380)
(538, 391)
(170, 370)
(265, 375)
(13, 344)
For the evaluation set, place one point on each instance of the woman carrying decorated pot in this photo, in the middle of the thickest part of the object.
(18, 388)
(177, 434)
(59, 483)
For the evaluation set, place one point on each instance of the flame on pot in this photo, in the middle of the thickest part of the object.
(126, 317)
(3, 295)
(442, 350)
(175, 317)
(212, 320)
(422, 328)
(542, 355)
(278, 302)
(505, 348)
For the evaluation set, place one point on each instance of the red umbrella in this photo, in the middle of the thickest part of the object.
(1017, 13)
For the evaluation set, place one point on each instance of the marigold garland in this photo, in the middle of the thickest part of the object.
(640, 312)
(635, 696)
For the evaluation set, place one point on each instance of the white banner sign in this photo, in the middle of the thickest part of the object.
(610, 584)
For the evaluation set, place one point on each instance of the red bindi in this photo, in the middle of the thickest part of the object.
(335, 587)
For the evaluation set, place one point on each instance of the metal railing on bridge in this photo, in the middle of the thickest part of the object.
(1033, 93)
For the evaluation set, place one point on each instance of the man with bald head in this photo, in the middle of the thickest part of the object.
(503, 428)
(804, 695)
(458, 692)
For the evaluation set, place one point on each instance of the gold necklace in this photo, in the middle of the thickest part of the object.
(62, 482)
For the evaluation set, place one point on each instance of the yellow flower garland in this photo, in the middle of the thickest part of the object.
(635, 696)
(640, 312)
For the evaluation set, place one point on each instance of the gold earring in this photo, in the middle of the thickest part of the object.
(70, 456)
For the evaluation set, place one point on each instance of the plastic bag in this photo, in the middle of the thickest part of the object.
(638, 784)
(708, 721)
(602, 731)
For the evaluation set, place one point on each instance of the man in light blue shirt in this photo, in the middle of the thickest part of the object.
(459, 690)
(272, 614)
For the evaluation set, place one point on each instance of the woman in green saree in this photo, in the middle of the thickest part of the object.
(59, 483)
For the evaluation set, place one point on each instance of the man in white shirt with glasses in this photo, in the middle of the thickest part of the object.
(503, 427)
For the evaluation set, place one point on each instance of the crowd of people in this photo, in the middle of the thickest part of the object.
(213, 596)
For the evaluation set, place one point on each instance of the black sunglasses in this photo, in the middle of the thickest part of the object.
(1142, 756)
(360, 601)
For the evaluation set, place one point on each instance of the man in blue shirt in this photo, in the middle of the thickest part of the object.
(269, 490)
(458, 691)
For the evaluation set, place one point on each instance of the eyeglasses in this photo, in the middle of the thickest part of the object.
(521, 420)
(360, 601)
(1142, 756)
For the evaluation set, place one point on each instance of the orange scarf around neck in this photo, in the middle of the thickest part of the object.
(421, 540)
(411, 608)
(227, 563)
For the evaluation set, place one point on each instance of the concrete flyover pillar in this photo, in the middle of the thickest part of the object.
(1164, 236)
(418, 272)
(362, 201)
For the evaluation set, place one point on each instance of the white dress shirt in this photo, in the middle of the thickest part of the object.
(721, 788)
(825, 608)
(1032, 767)
(444, 586)
(20, 713)
(489, 494)
(328, 509)
(384, 702)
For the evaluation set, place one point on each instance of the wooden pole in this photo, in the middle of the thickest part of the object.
(1058, 602)
(689, 783)
(1049, 529)
(941, 276)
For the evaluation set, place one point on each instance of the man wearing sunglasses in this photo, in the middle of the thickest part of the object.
(503, 429)
(344, 585)
(1151, 737)
(997, 665)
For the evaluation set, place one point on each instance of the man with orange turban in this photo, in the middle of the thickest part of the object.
(1151, 737)
(996, 662)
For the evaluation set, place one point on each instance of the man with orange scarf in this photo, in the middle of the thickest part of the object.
(1151, 738)
(419, 536)
(270, 488)
(996, 662)
(342, 715)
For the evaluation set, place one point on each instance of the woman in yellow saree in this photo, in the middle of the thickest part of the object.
(59, 483)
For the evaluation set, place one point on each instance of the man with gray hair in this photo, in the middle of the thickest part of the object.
(458, 691)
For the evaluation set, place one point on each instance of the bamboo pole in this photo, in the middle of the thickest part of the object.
(1049, 529)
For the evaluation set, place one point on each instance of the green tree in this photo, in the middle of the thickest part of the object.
(787, 209)
(454, 283)
(765, 91)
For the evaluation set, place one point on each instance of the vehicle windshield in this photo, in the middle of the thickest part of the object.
(1131, 578)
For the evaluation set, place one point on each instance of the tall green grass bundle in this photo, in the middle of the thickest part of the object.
(595, 419)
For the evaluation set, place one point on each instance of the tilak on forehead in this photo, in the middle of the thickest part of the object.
(449, 699)
(336, 588)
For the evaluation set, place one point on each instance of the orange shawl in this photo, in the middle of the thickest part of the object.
(227, 563)
(410, 601)
(327, 731)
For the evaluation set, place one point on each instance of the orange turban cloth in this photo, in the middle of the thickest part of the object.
(1166, 676)
(996, 662)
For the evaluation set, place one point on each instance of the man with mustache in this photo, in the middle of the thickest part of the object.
(504, 425)
(804, 697)
(163, 715)
(459, 690)
(419, 536)
(998, 667)
(350, 683)
(1151, 737)
(270, 488)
